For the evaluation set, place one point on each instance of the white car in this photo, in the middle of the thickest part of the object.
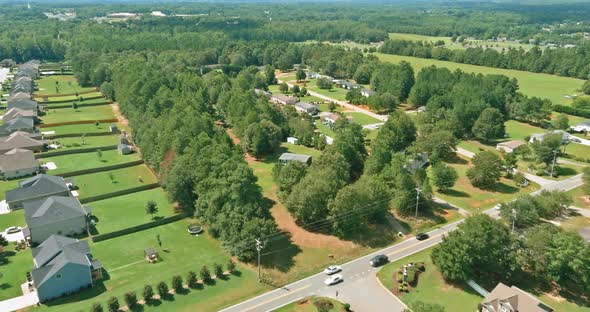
(334, 279)
(332, 269)
(13, 229)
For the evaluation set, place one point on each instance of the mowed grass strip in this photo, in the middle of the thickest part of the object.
(85, 142)
(551, 87)
(81, 128)
(66, 84)
(123, 260)
(115, 180)
(90, 113)
(67, 97)
(126, 211)
(82, 161)
(361, 119)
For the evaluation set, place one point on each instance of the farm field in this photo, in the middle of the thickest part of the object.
(532, 84)
(81, 128)
(67, 84)
(101, 183)
(129, 210)
(81, 161)
(123, 260)
(86, 142)
(90, 113)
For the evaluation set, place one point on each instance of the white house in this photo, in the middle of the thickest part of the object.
(581, 127)
(292, 140)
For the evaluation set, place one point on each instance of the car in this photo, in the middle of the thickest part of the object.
(13, 229)
(332, 269)
(378, 260)
(422, 236)
(498, 206)
(334, 279)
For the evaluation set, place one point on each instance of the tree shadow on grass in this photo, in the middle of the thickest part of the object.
(153, 302)
(168, 297)
(379, 234)
(279, 254)
(137, 308)
(456, 160)
(566, 171)
(455, 193)
(504, 188)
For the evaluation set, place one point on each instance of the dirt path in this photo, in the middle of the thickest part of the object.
(122, 120)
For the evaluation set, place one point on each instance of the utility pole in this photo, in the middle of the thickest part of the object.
(554, 159)
(513, 219)
(259, 248)
(418, 190)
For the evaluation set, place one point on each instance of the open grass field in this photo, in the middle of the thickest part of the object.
(82, 128)
(361, 118)
(14, 271)
(335, 92)
(469, 43)
(468, 197)
(101, 183)
(72, 98)
(81, 161)
(308, 305)
(90, 113)
(580, 198)
(66, 84)
(531, 84)
(129, 210)
(123, 260)
(91, 102)
(323, 129)
(86, 142)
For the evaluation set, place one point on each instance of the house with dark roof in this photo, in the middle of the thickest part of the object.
(22, 84)
(22, 140)
(584, 126)
(346, 84)
(511, 299)
(304, 107)
(283, 99)
(286, 158)
(17, 112)
(18, 163)
(17, 124)
(63, 265)
(55, 215)
(24, 104)
(36, 188)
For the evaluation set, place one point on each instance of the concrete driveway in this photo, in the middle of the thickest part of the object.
(19, 303)
(13, 237)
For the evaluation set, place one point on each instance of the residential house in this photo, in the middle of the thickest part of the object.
(286, 158)
(511, 299)
(417, 162)
(36, 188)
(23, 104)
(18, 163)
(292, 140)
(17, 112)
(7, 63)
(261, 92)
(113, 128)
(283, 99)
(22, 140)
(63, 265)
(312, 75)
(509, 146)
(346, 84)
(17, 124)
(330, 119)
(19, 96)
(55, 215)
(124, 149)
(581, 127)
(305, 107)
(565, 137)
(22, 84)
(367, 92)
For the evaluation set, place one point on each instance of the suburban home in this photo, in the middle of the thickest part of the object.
(286, 158)
(22, 140)
(283, 99)
(509, 146)
(55, 215)
(367, 92)
(417, 162)
(17, 112)
(292, 140)
(565, 137)
(261, 92)
(346, 84)
(511, 299)
(19, 96)
(124, 149)
(17, 124)
(25, 84)
(331, 118)
(18, 163)
(36, 188)
(7, 63)
(63, 265)
(581, 127)
(312, 75)
(23, 104)
(305, 107)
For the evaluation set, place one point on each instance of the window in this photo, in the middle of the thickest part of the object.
(58, 275)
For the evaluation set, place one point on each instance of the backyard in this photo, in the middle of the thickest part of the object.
(81, 128)
(66, 84)
(85, 142)
(89, 113)
(115, 180)
(81, 161)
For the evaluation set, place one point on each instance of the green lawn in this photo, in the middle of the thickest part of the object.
(335, 92)
(531, 84)
(101, 183)
(452, 45)
(99, 101)
(90, 113)
(362, 119)
(82, 128)
(123, 259)
(325, 107)
(86, 142)
(67, 84)
(129, 210)
(14, 218)
(308, 305)
(519, 130)
(325, 130)
(414, 37)
(14, 271)
(68, 97)
(578, 196)
(81, 161)
(5, 186)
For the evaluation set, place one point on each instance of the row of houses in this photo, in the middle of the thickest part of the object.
(282, 99)
(54, 216)
(344, 84)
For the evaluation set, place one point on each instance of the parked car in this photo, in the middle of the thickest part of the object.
(13, 229)
(378, 260)
(332, 269)
(334, 279)
(422, 236)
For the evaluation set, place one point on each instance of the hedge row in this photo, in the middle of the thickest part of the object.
(572, 111)
(77, 135)
(100, 169)
(68, 94)
(77, 122)
(68, 101)
(106, 102)
(137, 228)
(75, 151)
(120, 193)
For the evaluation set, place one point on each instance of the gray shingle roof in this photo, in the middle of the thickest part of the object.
(25, 104)
(18, 140)
(18, 159)
(56, 252)
(294, 157)
(17, 123)
(37, 187)
(16, 112)
(52, 209)
(19, 96)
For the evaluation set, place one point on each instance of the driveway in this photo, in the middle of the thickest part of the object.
(14, 237)
(19, 303)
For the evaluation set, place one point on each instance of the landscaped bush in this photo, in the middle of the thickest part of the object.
(323, 305)
(96, 307)
(162, 289)
(130, 299)
(205, 274)
(148, 293)
(191, 279)
(177, 283)
(113, 304)
(218, 270)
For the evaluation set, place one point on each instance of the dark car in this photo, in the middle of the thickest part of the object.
(422, 236)
(378, 260)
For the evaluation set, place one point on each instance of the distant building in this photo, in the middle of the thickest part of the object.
(330, 119)
(292, 140)
(158, 14)
(346, 84)
(541, 136)
(509, 146)
(511, 299)
(312, 75)
(124, 149)
(283, 99)
(305, 107)
(581, 127)
(286, 158)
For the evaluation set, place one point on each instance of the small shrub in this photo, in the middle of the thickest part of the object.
(162, 289)
(177, 283)
(96, 307)
(323, 305)
(191, 279)
(218, 270)
(130, 299)
(205, 274)
(148, 292)
(231, 266)
(113, 304)
(346, 307)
